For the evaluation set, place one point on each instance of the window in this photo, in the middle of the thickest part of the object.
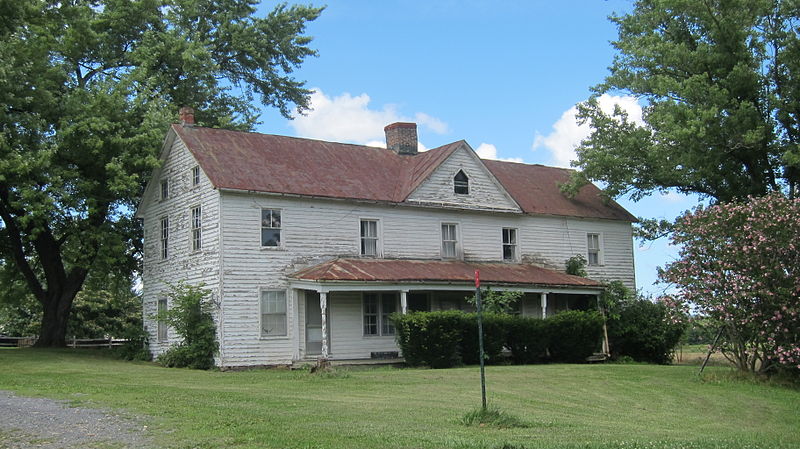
(593, 245)
(461, 183)
(162, 325)
(164, 189)
(273, 313)
(449, 240)
(369, 238)
(164, 237)
(270, 227)
(196, 175)
(509, 244)
(377, 309)
(197, 229)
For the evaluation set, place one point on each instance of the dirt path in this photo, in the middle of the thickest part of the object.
(46, 423)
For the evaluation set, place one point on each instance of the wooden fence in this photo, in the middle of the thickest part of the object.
(20, 342)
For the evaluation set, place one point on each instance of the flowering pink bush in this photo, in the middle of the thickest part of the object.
(739, 265)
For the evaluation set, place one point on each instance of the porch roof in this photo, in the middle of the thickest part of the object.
(436, 271)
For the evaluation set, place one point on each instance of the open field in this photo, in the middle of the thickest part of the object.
(564, 406)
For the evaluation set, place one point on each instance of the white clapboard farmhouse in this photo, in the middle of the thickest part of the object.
(308, 246)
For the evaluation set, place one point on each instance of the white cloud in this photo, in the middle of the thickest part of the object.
(567, 134)
(348, 118)
(489, 151)
(673, 197)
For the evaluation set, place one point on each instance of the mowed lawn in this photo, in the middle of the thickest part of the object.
(564, 406)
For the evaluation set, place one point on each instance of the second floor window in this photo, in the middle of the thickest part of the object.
(197, 229)
(195, 175)
(461, 183)
(369, 238)
(449, 240)
(270, 227)
(164, 189)
(593, 245)
(509, 244)
(164, 237)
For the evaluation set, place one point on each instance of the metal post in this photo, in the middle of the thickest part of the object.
(480, 338)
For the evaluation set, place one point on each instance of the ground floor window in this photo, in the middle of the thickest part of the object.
(273, 313)
(162, 325)
(377, 308)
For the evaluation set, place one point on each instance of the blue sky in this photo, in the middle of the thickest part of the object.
(503, 75)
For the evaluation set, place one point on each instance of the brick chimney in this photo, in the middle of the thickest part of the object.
(401, 138)
(187, 116)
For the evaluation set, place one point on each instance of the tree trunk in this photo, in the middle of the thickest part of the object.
(55, 316)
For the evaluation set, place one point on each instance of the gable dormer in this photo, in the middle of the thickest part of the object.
(463, 181)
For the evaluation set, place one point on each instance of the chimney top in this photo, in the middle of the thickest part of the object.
(401, 137)
(187, 116)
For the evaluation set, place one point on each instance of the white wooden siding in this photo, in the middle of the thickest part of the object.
(484, 191)
(317, 230)
(182, 264)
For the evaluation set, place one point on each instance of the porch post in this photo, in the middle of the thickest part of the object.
(323, 306)
(544, 305)
(403, 301)
(605, 328)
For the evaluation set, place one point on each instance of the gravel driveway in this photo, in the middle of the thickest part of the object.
(45, 423)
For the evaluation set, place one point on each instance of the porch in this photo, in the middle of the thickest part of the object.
(344, 305)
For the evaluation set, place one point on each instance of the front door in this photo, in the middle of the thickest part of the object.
(314, 325)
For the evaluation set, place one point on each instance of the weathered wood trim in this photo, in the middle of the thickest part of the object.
(349, 286)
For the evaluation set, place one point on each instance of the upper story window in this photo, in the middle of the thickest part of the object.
(164, 237)
(197, 229)
(369, 238)
(450, 248)
(270, 227)
(273, 313)
(377, 311)
(195, 175)
(509, 244)
(461, 183)
(593, 249)
(164, 189)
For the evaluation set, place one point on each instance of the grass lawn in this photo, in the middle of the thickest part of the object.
(562, 406)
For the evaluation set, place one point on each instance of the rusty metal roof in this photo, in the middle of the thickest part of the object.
(536, 190)
(290, 165)
(434, 271)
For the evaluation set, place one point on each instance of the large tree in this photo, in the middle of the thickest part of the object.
(720, 85)
(87, 88)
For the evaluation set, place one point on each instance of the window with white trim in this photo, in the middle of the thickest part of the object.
(378, 308)
(273, 313)
(270, 227)
(197, 229)
(196, 175)
(509, 244)
(461, 183)
(593, 249)
(162, 325)
(369, 238)
(164, 189)
(450, 248)
(164, 237)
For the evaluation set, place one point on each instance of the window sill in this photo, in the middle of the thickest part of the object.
(378, 336)
(273, 337)
(273, 248)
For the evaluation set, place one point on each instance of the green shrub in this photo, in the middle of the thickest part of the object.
(137, 347)
(574, 335)
(190, 316)
(495, 334)
(429, 338)
(642, 330)
(528, 339)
